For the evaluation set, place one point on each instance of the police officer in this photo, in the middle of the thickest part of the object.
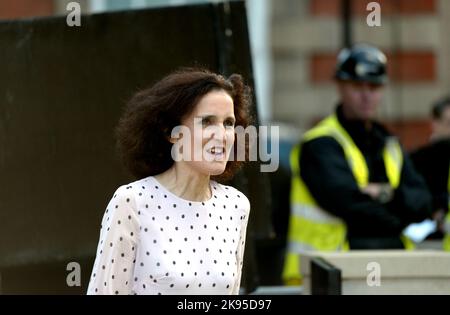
(433, 162)
(353, 187)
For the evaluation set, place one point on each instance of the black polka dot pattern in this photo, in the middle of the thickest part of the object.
(154, 242)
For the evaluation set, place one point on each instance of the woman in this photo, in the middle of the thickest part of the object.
(176, 230)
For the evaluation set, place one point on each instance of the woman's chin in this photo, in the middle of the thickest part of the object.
(217, 173)
(215, 170)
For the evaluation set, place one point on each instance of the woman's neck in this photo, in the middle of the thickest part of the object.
(186, 183)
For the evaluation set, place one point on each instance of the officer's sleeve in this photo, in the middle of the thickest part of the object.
(412, 200)
(327, 175)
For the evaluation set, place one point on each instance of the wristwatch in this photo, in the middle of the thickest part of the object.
(386, 194)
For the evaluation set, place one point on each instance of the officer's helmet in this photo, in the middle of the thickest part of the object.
(363, 63)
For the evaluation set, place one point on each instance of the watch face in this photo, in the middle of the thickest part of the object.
(386, 194)
(383, 197)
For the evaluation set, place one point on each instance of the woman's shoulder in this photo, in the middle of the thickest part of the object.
(229, 192)
(130, 191)
(125, 204)
(138, 185)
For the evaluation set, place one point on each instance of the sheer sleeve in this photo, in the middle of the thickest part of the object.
(114, 263)
(241, 244)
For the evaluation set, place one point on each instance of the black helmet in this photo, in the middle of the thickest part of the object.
(363, 63)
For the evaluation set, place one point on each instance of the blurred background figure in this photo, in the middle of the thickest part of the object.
(352, 185)
(441, 119)
(433, 162)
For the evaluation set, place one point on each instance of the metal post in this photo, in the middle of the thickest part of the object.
(347, 23)
(325, 278)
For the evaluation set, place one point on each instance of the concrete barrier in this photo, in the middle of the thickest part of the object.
(385, 272)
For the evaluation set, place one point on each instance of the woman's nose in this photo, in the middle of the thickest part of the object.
(219, 132)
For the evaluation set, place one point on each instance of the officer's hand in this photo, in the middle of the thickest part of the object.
(373, 190)
(439, 217)
(380, 192)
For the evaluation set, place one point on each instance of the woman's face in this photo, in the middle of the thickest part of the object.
(211, 133)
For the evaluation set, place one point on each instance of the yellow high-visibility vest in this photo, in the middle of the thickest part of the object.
(312, 228)
(446, 243)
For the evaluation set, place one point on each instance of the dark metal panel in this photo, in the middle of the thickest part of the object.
(232, 40)
(347, 29)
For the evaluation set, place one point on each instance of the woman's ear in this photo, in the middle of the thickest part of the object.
(169, 137)
(172, 140)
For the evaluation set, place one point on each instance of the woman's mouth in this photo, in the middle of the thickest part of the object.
(218, 152)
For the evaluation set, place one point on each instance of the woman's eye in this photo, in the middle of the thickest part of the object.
(229, 123)
(206, 122)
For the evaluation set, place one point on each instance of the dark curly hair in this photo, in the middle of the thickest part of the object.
(151, 114)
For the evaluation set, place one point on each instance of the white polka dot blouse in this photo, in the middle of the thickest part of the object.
(154, 242)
